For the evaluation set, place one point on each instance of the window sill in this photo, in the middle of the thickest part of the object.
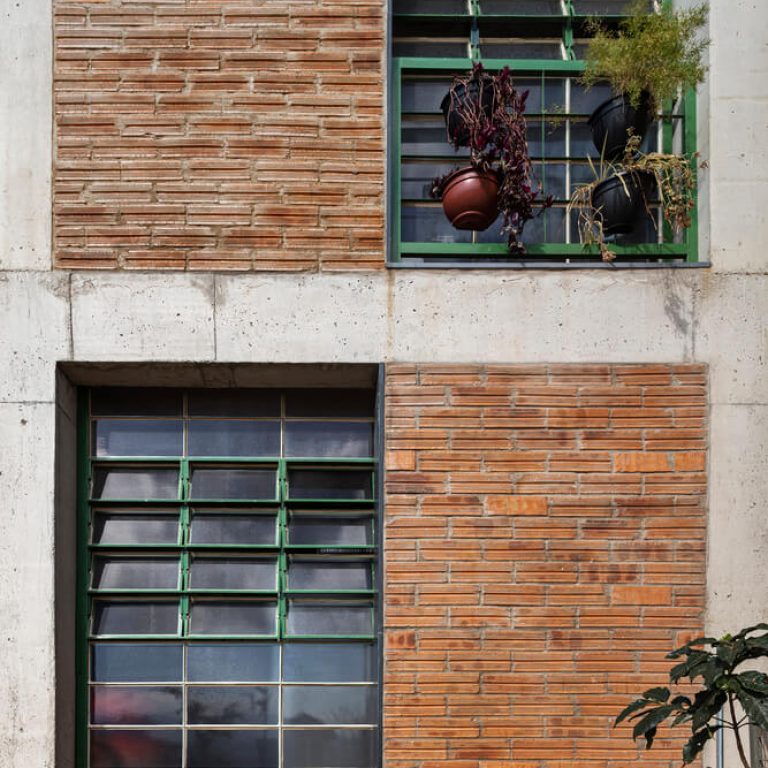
(553, 266)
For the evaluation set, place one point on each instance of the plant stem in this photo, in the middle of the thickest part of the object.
(739, 745)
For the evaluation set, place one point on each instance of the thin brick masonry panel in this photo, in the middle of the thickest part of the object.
(544, 549)
(197, 134)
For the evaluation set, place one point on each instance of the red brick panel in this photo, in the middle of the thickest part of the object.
(205, 134)
(544, 548)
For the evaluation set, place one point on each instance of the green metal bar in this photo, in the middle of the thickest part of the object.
(82, 601)
(689, 147)
(539, 249)
(395, 174)
(534, 66)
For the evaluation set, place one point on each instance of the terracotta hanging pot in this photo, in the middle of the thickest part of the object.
(470, 199)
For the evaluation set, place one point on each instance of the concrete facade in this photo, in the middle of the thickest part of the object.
(711, 315)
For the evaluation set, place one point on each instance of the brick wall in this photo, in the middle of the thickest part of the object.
(544, 546)
(196, 134)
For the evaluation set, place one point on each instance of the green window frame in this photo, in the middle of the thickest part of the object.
(294, 575)
(418, 235)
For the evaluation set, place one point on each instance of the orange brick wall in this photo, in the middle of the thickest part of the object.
(544, 548)
(205, 134)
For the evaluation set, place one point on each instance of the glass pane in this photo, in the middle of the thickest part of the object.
(416, 179)
(424, 94)
(234, 438)
(131, 663)
(431, 6)
(250, 403)
(233, 529)
(129, 437)
(330, 484)
(230, 483)
(546, 138)
(233, 662)
(334, 403)
(520, 49)
(241, 705)
(313, 574)
(135, 748)
(328, 438)
(329, 662)
(232, 618)
(538, 7)
(338, 748)
(125, 528)
(308, 529)
(135, 483)
(136, 401)
(584, 101)
(232, 749)
(449, 49)
(428, 224)
(135, 573)
(604, 7)
(233, 573)
(314, 618)
(426, 135)
(128, 617)
(343, 705)
(135, 705)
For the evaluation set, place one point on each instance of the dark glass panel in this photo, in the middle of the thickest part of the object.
(535, 7)
(520, 49)
(136, 663)
(334, 574)
(330, 484)
(113, 748)
(424, 94)
(135, 573)
(426, 136)
(332, 748)
(605, 7)
(232, 749)
(584, 101)
(136, 401)
(115, 527)
(136, 705)
(234, 438)
(546, 138)
(313, 529)
(328, 438)
(329, 618)
(131, 617)
(133, 437)
(135, 483)
(233, 662)
(449, 49)
(428, 224)
(333, 403)
(240, 705)
(329, 662)
(233, 529)
(214, 617)
(232, 483)
(457, 7)
(318, 704)
(233, 573)
(249, 403)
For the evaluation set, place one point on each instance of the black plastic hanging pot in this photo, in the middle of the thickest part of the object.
(622, 200)
(465, 99)
(612, 121)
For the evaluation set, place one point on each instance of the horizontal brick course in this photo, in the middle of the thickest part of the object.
(544, 546)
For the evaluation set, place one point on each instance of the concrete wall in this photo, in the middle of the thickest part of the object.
(712, 316)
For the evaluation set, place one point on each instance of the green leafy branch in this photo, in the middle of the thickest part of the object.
(713, 707)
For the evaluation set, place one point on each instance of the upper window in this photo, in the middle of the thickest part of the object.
(542, 42)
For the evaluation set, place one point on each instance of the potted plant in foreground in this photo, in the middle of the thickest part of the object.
(646, 61)
(486, 113)
(713, 662)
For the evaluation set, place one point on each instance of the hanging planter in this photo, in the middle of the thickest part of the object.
(461, 102)
(470, 198)
(613, 121)
(621, 201)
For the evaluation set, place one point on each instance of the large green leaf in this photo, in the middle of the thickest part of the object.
(744, 632)
(756, 682)
(684, 650)
(650, 721)
(706, 707)
(756, 709)
(696, 743)
(659, 694)
(636, 705)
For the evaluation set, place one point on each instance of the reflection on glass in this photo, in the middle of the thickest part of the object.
(135, 483)
(318, 704)
(130, 617)
(136, 401)
(241, 705)
(329, 662)
(136, 705)
(232, 749)
(233, 662)
(214, 617)
(330, 484)
(334, 574)
(245, 403)
(233, 573)
(343, 531)
(135, 573)
(126, 528)
(231, 483)
(136, 663)
(133, 437)
(114, 748)
(233, 529)
(234, 438)
(331, 618)
(330, 748)
(328, 438)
